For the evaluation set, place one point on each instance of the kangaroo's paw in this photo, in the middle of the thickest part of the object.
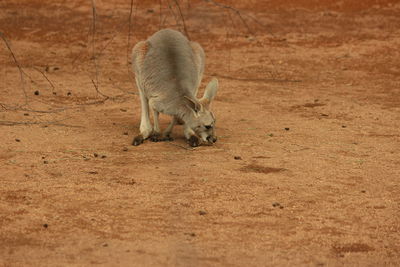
(194, 141)
(167, 137)
(138, 140)
(155, 137)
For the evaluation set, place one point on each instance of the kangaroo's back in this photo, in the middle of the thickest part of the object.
(172, 65)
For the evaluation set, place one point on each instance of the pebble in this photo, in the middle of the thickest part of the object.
(202, 212)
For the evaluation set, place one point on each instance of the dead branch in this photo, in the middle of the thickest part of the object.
(182, 18)
(21, 72)
(241, 16)
(22, 123)
(228, 39)
(236, 11)
(101, 50)
(180, 146)
(256, 79)
(94, 42)
(98, 91)
(129, 35)
(160, 25)
(173, 13)
(45, 76)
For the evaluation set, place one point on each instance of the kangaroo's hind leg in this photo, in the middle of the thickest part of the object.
(166, 136)
(138, 54)
(145, 124)
(155, 135)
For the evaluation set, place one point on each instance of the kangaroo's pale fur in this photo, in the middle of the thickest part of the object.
(168, 70)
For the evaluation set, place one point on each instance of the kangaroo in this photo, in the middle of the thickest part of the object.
(168, 70)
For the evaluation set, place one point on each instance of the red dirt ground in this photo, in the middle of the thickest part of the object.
(305, 172)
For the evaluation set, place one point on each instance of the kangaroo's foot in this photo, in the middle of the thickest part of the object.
(157, 137)
(167, 137)
(138, 140)
(194, 141)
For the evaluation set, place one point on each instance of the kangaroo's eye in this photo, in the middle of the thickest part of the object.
(208, 127)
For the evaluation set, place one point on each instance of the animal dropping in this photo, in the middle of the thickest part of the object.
(168, 71)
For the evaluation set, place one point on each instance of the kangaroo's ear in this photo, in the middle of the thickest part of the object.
(210, 92)
(193, 104)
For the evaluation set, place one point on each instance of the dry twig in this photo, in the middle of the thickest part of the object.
(94, 14)
(238, 13)
(21, 72)
(182, 18)
(241, 15)
(173, 13)
(45, 76)
(22, 123)
(129, 34)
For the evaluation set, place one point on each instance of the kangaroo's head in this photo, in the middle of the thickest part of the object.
(203, 120)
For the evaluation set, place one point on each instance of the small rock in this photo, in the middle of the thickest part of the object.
(17, 140)
(105, 245)
(103, 156)
(190, 234)
(125, 133)
(45, 225)
(93, 172)
(344, 126)
(202, 212)
(69, 93)
(287, 128)
(150, 11)
(26, 114)
(95, 155)
(54, 93)
(122, 109)
(51, 68)
(363, 191)
(277, 205)
(125, 149)
(45, 162)
(36, 92)
(237, 157)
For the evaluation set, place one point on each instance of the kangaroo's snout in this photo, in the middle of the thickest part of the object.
(212, 139)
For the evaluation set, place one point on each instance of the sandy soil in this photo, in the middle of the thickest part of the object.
(305, 171)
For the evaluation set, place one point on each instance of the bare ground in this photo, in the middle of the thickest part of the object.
(305, 171)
